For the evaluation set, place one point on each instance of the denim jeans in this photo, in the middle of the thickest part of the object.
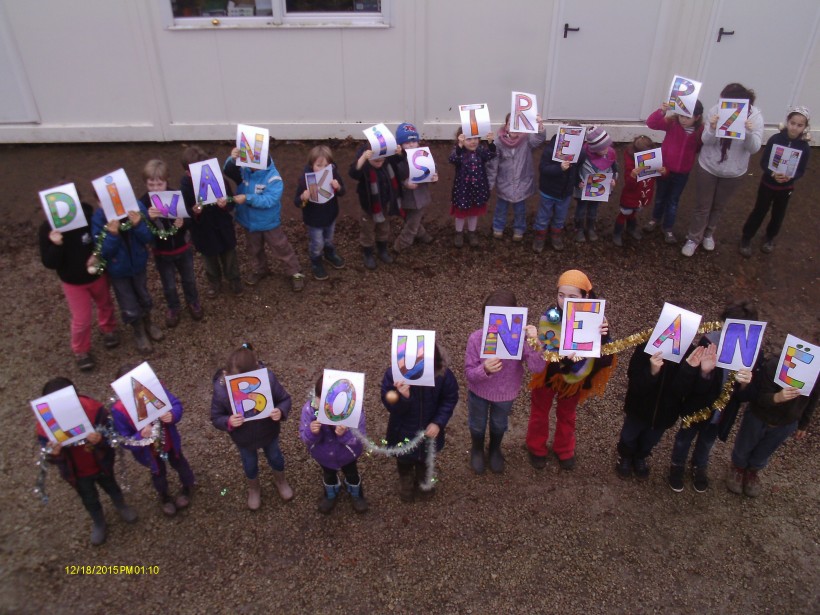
(586, 213)
(667, 196)
(132, 297)
(168, 267)
(250, 458)
(480, 409)
(638, 438)
(552, 212)
(519, 216)
(319, 238)
(706, 432)
(756, 442)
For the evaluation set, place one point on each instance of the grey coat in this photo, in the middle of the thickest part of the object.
(512, 172)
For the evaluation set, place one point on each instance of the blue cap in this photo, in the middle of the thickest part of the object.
(406, 132)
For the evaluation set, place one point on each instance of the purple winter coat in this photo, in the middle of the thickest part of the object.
(328, 449)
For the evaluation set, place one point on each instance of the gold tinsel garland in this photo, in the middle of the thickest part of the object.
(635, 339)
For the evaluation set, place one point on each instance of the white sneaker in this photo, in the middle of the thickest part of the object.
(708, 243)
(689, 248)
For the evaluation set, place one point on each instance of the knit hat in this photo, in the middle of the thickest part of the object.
(804, 111)
(597, 140)
(575, 278)
(406, 132)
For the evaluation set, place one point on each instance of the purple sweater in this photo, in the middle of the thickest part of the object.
(503, 385)
(328, 449)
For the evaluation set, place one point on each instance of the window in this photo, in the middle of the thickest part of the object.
(275, 13)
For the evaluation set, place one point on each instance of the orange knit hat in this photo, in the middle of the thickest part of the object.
(575, 278)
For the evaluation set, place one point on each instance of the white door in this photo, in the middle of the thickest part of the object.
(765, 46)
(599, 67)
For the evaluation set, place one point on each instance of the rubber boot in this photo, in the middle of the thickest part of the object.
(98, 529)
(127, 514)
(153, 331)
(318, 267)
(356, 492)
(477, 453)
(254, 494)
(407, 485)
(141, 337)
(328, 500)
(496, 458)
(384, 255)
(285, 492)
(369, 261)
(618, 235)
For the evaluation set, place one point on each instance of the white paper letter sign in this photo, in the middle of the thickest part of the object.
(319, 185)
(63, 209)
(62, 417)
(568, 143)
(250, 394)
(421, 164)
(382, 141)
(648, 163)
(503, 333)
(116, 194)
(412, 357)
(209, 185)
(169, 203)
(784, 160)
(253, 144)
(674, 332)
(475, 120)
(597, 187)
(732, 116)
(740, 342)
(580, 327)
(523, 113)
(342, 397)
(683, 94)
(798, 365)
(142, 395)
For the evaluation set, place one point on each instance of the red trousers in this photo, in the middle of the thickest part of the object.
(538, 428)
(81, 299)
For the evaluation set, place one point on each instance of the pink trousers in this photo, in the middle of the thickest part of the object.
(80, 298)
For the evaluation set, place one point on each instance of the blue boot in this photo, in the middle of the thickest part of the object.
(328, 501)
(360, 504)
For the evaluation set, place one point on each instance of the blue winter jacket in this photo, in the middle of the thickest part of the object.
(263, 189)
(127, 252)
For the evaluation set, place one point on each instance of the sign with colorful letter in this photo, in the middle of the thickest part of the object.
(143, 396)
(798, 365)
(784, 160)
(209, 185)
(732, 116)
(740, 343)
(581, 327)
(253, 144)
(523, 113)
(597, 187)
(382, 141)
(250, 394)
(412, 357)
(63, 209)
(648, 163)
(115, 194)
(475, 120)
(683, 94)
(674, 332)
(169, 203)
(319, 185)
(504, 332)
(62, 417)
(568, 143)
(421, 164)
(342, 398)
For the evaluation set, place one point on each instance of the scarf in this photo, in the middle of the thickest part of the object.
(383, 184)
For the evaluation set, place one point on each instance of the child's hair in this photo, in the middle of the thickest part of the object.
(155, 169)
(737, 90)
(697, 115)
(193, 154)
(459, 132)
(56, 384)
(317, 389)
(642, 143)
(507, 119)
(501, 298)
(241, 360)
(741, 309)
(320, 151)
(125, 368)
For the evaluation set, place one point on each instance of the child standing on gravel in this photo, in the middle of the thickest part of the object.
(637, 193)
(416, 196)
(600, 158)
(471, 188)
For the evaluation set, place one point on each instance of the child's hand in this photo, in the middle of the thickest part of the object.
(749, 125)
(113, 227)
(341, 430)
(235, 153)
(461, 139)
(154, 213)
(240, 199)
(780, 178)
(335, 185)
(145, 432)
(491, 366)
(94, 437)
(366, 155)
(787, 394)
(713, 122)
(743, 377)
(635, 173)
(603, 330)
(135, 217)
(581, 185)
(236, 420)
(54, 448)
(612, 183)
(432, 430)
(167, 417)
(179, 222)
(799, 434)
(709, 359)
(530, 332)
(305, 197)
(565, 165)
(56, 237)
(434, 177)
(663, 171)
(490, 137)
(197, 209)
(665, 106)
(315, 427)
(695, 357)
(221, 203)
(656, 363)
(540, 122)
(403, 388)
(276, 414)
(410, 185)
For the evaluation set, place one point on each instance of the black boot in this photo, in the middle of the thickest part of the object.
(141, 337)
(618, 235)
(477, 453)
(369, 261)
(332, 257)
(384, 255)
(318, 268)
(496, 458)
(98, 529)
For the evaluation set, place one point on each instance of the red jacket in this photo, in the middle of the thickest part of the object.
(679, 148)
(636, 194)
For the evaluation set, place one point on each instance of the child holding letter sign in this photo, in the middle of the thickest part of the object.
(471, 188)
(775, 185)
(637, 193)
(416, 195)
(600, 158)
